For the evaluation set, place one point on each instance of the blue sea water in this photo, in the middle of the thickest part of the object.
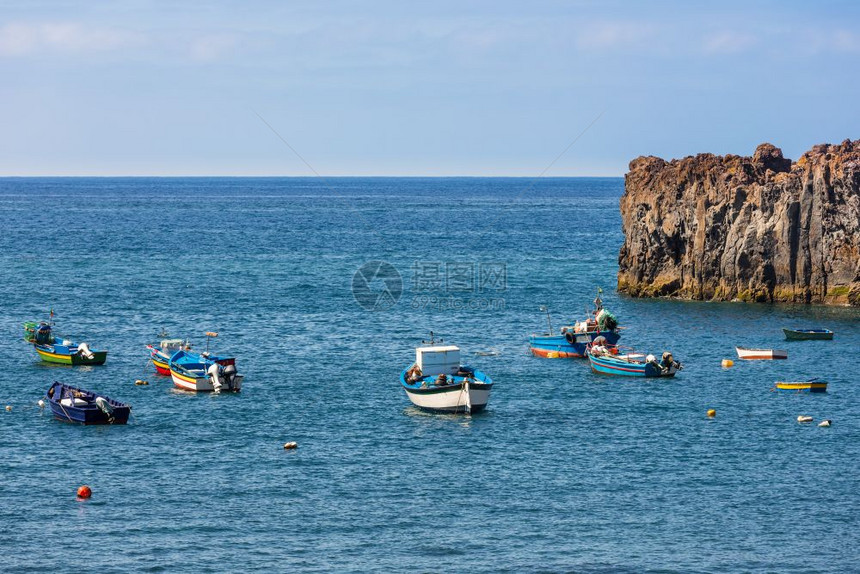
(565, 471)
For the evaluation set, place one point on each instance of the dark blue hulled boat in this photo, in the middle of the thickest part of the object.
(571, 342)
(808, 334)
(76, 405)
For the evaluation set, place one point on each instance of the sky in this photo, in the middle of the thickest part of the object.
(399, 88)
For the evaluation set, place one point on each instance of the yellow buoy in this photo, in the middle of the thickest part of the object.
(727, 363)
(712, 413)
(291, 445)
(139, 382)
(804, 419)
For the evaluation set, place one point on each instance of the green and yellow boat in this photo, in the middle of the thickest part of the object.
(52, 349)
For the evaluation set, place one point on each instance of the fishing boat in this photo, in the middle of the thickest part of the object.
(436, 381)
(808, 334)
(571, 340)
(76, 405)
(810, 386)
(765, 354)
(55, 349)
(609, 360)
(160, 354)
(204, 372)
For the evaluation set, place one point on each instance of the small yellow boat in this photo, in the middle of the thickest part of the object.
(811, 386)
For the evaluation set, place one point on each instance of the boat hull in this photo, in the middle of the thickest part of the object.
(63, 356)
(160, 361)
(558, 347)
(451, 399)
(802, 387)
(624, 368)
(189, 381)
(808, 334)
(760, 354)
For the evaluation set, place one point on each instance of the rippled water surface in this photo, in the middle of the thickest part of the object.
(565, 471)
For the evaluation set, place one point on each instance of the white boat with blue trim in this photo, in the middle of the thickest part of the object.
(436, 381)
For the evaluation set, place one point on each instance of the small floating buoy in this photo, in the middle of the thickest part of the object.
(825, 423)
(84, 492)
(8, 408)
(804, 419)
(41, 404)
(139, 382)
(712, 413)
(291, 445)
(727, 363)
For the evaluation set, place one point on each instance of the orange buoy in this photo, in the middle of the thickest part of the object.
(727, 363)
(84, 492)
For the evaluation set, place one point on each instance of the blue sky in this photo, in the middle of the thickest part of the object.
(416, 88)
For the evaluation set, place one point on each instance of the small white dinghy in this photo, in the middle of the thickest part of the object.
(745, 353)
(438, 382)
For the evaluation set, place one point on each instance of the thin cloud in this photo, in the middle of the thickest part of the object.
(728, 42)
(25, 39)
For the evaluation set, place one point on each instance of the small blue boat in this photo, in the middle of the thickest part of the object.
(75, 405)
(202, 372)
(572, 340)
(607, 360)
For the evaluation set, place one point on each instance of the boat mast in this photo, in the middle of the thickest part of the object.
(545, 309)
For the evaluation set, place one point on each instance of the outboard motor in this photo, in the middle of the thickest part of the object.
(215, 376)
(230, 376)
(105, 407)
(84, 351)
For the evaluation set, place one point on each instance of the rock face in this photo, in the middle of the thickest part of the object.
(739, 228)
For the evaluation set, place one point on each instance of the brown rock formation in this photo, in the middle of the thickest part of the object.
(754, 229)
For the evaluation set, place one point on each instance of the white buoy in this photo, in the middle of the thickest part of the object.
(804, 419)
(41, 404)
(291, 445)
(825, 423)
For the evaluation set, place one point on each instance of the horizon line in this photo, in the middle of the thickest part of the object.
(164, 176)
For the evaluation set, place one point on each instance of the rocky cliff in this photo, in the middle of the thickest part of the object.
(757, 228)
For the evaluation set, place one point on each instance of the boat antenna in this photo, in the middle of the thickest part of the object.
(209, 335)
(433, 340)
(545, 309)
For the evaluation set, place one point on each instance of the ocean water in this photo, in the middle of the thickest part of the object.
(565, 471)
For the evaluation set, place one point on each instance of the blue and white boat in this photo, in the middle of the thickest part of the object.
(75, 405)
(438, 382)
(608, 360)
(204, 372)
(571, 341)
